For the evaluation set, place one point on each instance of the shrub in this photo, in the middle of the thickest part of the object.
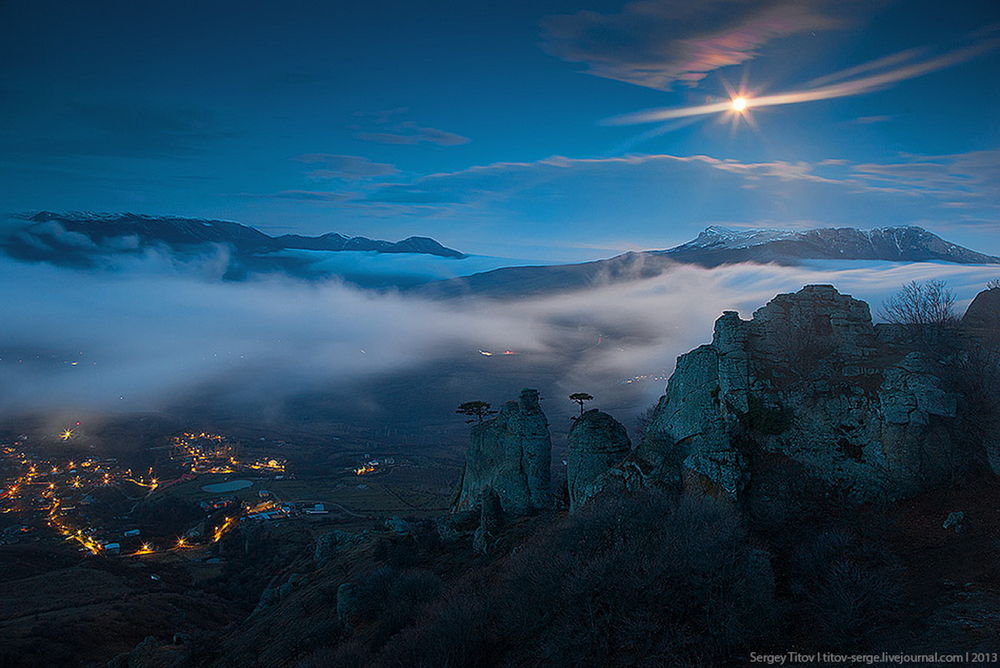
(916, 303)
(624, 581)
(845, 588)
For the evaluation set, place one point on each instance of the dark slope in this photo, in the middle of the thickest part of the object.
(527, 281)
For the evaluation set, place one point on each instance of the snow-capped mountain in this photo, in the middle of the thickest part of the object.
(717, 246)
(732, 237)
(722, 245)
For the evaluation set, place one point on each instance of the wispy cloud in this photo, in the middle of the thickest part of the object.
(386, 127)
(850, 87)
(654, 44)
(411, 133)
(346, 167)
(937, 173)
(969, 177)
(671, 197)
(869, 66)
(303, 195)
(870, 120)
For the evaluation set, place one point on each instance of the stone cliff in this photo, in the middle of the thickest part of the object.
(510, 455)
(811, 386)
(596, 443)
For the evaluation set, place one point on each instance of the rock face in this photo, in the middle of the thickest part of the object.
(490, 522)
(811, 386)
(509, 454)
(597, 442)
(984, 311)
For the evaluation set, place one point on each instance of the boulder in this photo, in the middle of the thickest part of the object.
(596, 443)
(954, 521)
(984, 311)
(398, 526)
(509, 454)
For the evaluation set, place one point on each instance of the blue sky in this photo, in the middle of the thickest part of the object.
(485, 126)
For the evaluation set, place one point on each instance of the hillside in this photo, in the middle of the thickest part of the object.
(46, 233)
(842, 500)
(714, 247)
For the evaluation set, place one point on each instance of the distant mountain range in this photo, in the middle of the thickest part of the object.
(88, 239)
(46, 232)
(714, 247)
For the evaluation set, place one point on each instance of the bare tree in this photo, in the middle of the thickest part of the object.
(916, 303)
(994, 284)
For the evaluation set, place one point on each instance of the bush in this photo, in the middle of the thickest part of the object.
(927, 303)
(625, 581)
(846, 589)
(390, 599)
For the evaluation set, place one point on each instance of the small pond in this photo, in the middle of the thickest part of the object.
(228, 486)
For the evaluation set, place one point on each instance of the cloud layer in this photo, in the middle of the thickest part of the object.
(151, 334)
(655, 43)
(672, 197)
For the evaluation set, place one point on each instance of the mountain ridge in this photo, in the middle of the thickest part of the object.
(178, 231)
(908, 243)
(717, 246)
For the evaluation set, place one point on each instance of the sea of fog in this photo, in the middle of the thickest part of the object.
(150, 333)
(413, 266)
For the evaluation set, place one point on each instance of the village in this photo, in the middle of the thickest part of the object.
(201, 487)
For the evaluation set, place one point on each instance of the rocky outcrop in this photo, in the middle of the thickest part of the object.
(980, 372)
(597, 442)
(811, 382)
(490, 522)
(984, 311)
(509, 454)
(454, 526)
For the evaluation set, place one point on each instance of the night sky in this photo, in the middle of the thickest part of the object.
(496, 127)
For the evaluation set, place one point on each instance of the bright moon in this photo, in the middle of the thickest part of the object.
(739, 103)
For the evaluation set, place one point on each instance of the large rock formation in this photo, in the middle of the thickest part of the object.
(980, 376)
(811, 387)
(984, 311)
(597, 442)
(511, 455)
